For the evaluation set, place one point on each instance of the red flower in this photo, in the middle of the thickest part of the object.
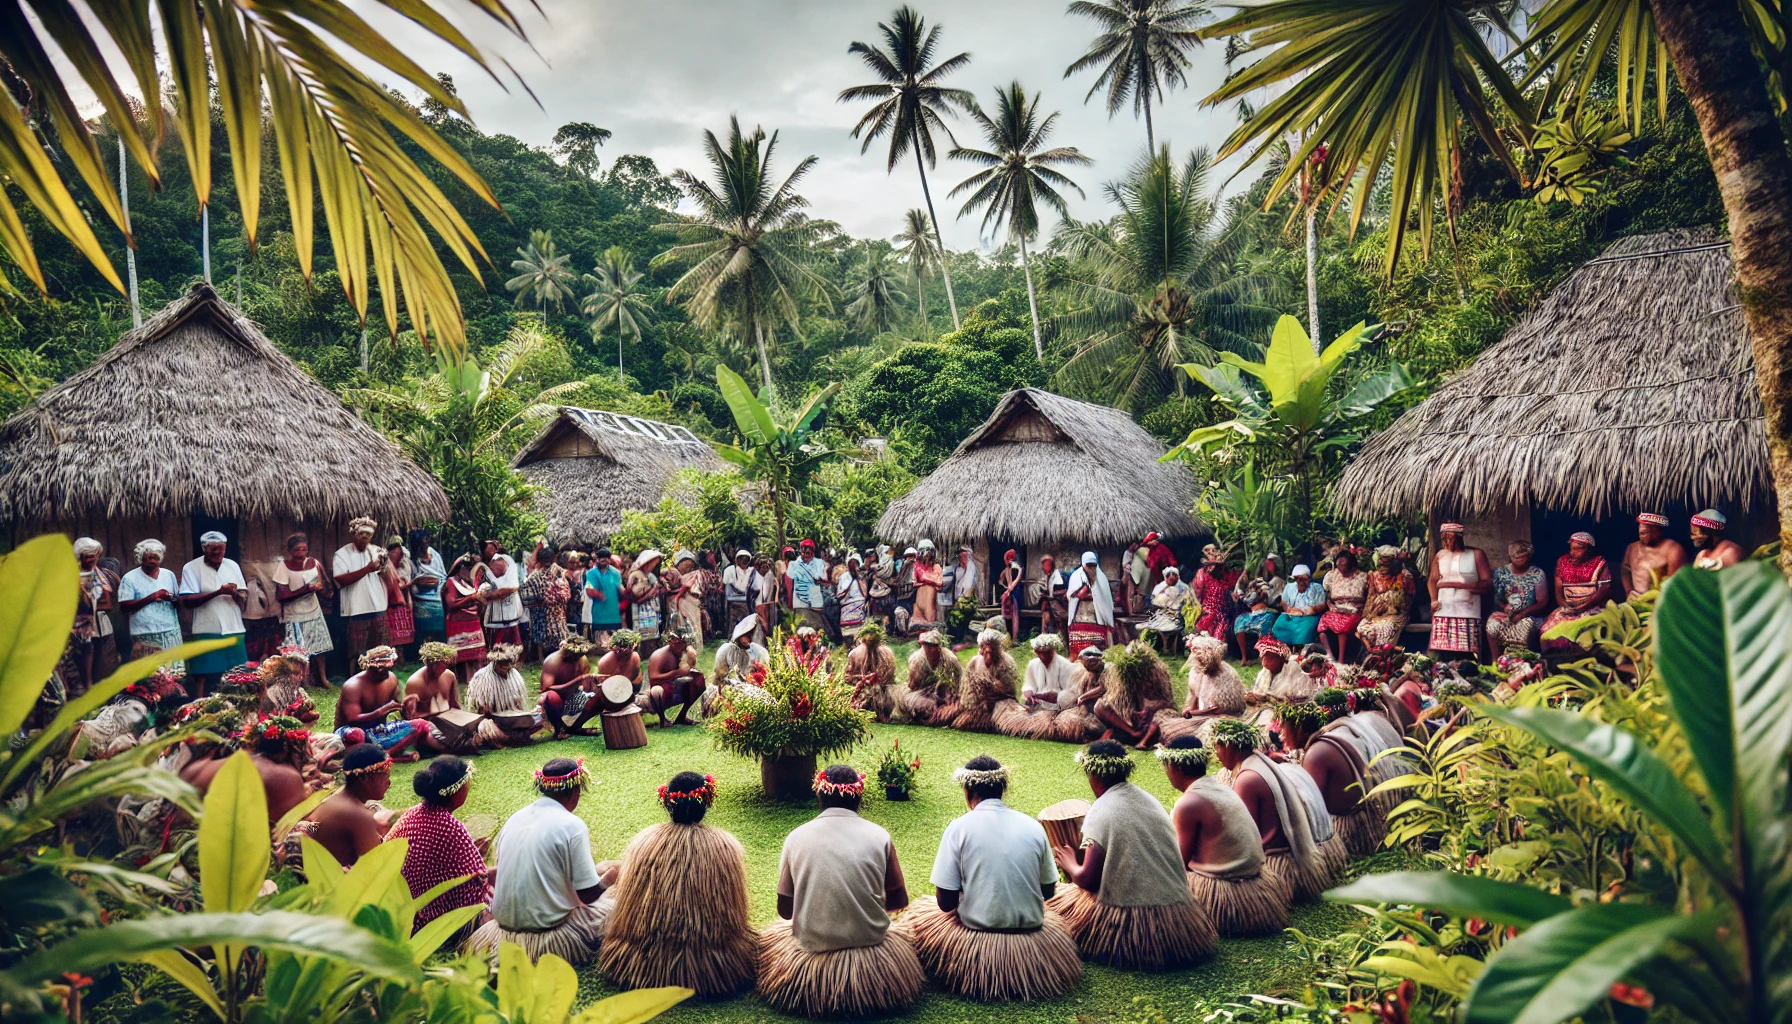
(1633, 995)
(801, 706)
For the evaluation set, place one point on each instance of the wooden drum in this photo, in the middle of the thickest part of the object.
(615, 694)
(1063, 822)
(624, 730)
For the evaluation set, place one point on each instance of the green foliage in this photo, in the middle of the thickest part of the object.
(796, 709)
(700, 511)
(897, 768)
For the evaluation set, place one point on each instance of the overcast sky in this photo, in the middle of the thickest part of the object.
(658, 73)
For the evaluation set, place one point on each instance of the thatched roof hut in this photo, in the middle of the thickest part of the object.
(196, 421)
(592, 466)
(1054, 475)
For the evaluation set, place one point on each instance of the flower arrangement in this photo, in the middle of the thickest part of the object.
(787, 710)
(278, 727)
(897, 770)
(243, 679)
(1333, 701)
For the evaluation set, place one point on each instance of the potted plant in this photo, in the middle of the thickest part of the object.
(785, 716)
(897, 772)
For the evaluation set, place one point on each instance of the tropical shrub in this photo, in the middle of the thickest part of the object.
(700, 511)
(793, 709)
(898, 769)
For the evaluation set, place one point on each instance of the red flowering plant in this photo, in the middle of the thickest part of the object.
(790, 707)
(898, 768)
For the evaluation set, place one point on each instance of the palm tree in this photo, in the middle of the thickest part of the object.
(616, 299)
(875, 295)
(578, 141)
(332, 126)
(1142, 49)
(747, 242)
(544, 275)
(910, 104)
(1017, 176)
(1159, 285)
(920, 252)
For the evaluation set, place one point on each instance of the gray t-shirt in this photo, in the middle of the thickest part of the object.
(1142, 863)
(997, 858)
(836, 868)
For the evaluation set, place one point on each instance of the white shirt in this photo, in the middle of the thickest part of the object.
(505, 610)
(367, 594)
(964, 581)
(544, 859)
(808, 579)
(221, 615)
(156, 616)
(997, 858)
(1054, 679)
(740, 584)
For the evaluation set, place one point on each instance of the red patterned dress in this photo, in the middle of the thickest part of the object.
(441, 848)
(1581, 582)
(1214, 591)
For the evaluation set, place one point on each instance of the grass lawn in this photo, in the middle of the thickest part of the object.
(622, 802)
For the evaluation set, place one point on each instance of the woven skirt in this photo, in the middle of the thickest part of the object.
(311, 634)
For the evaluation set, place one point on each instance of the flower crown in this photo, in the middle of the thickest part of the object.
(380, 767)
(278, 727)
(1104, 766)
(1234, 734)
(247, 674)
(627, 639)
(1185, 758)
(1302, 715)
(704, 794)
(436, 651)
(981, 776)
(823, 787)
(574, 779)
(458, 784)
(382, 656)
(1365, 698)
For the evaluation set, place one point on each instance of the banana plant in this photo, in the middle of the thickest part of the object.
(1723, 649)
(779, 450)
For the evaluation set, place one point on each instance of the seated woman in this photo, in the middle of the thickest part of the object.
(1050, 697)
(871, 672)
(833, 952)
(1214, 691)
(1128, 905)
(1345, 587)
(934, 676)
(988, 680)
(1388, 604)
(1583, 585)
(986, 933)
(1259, 598)
(1221, 846)
(498, 692)
(1137, 690)
(441, 849)
(1167, 600)
(681, 903)
(1280, 679)
(282, 685)
(1520, 596)
(1303, 603)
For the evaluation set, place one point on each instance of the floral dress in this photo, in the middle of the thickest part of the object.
(1514, 592)
(1344, 602)
(1386, 610)
(545, 594)
(1214, 591)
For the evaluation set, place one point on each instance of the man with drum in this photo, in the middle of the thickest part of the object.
(673, 678)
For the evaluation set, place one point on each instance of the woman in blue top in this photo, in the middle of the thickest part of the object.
(1303, 602)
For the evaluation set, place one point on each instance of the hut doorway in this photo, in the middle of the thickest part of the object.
(203, 524)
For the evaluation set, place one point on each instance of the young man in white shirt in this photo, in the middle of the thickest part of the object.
(361, 593)
(213, 586)
(809, 583)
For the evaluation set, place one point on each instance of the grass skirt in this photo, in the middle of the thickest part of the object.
(1159, 938)
(1303, 883)
(879, 700)
(868, 981)
(1362, 829)
(1242, 907)
(924, 709)
(681, 914)
(992, 966)
(1335, 855)
(575, 941)
(972, 720)
(1071, 725)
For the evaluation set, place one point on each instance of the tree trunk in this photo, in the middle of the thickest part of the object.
(945, 271)
(1709, 45)
(1032, 300)
(1150, 139)
(130, 248)
(765, 362)
(1313, 279)
(205, 240)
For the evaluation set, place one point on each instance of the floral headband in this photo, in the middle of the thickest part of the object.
(705, 794)
(1185, 758)
(278, 727)
(1104, 766)
(376, 768)
(627, 639)
(980, 776)
(246, 674)
(380, 657)
(823, 787)
(458, 784)
(574, 779)
(1234, 734)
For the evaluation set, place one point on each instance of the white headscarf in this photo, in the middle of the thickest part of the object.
(1098, 590)
(745, 626)
(647, 556)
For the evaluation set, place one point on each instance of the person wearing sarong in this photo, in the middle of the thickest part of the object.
(1213, 585)
(1268, 789)
(832, 952)
(1050, 705)
(1054, 604)
(740, 586)
(735, 662)
(990, 679)
(1303, 602)
(367, 702)
(1167, 599)
(214, 588)
(149, 595)
(1583, 585)
(1459, 576)
(680, 912)
(1521, 592)
(1214, 691)
(1388, 605)
(871, 672)
(500, 592)
(85, 639)
(429, 572)
(687, 601)
(549, 896)
(441, 849)
(545, 593)
(461, 608)
(1345, 587)
(934, 677)
(646, 594)
(497, 692)
(1279, 679)
(356, 569)
(849, 590)
(1128, 905)
(401, 622)
(1008, 587)
(1711, 549)
(1091, 606)
(986, 933)
(929, 576)
(1337, 766)
(1221, 847)
(299, 580)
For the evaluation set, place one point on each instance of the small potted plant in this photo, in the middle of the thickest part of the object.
(785, 715)
(897, 772)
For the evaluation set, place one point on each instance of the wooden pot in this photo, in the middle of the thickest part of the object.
(788, 778)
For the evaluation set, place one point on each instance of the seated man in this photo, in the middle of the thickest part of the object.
(1370, 731)
(622, 659)
(549, 895)
(989, 679)
(566, 686)
(498, 692)
(673, 679)
(837, 879)
(284, 786)
(735, 660)
(368, 699)
(1051, 692)
(1338, 769)
(347, 824)
(1129, 905)
(871, 670)
(934, 675)
(1291, 853)
(1214, 690)
(1221, 847)
(434, 689)
(986, 933)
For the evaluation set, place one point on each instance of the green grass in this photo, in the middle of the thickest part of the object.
(622, 802)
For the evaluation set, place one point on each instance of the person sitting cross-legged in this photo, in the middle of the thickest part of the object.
(351, 823)
(440, 847)
(986, 933)
(498, 692)
(372, 696)
(838, 878)
(1271, 791)
(566, 685)
(934, 675)
(549, 896)
(1128, 905)
(1221, 847)
(673, 678)
(680, 914)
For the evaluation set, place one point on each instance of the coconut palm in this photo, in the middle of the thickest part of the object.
(747, 244)
(1018, 174)
(1158, 286)
(617, 299)
(920, 253)
(544, 274)
(332, 125)
(1142, 49)
(910, 104)
(876, 298)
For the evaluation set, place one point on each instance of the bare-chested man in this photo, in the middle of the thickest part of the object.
(368, 699)
(432, 690)
(673, 679)
(1715, 551)
(1652, 557)
(344, 824)
(566, 685)
(282, 783)
(1221, 846)
(622, 659)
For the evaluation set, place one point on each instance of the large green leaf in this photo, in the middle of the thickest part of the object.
(42, 582)
(1367, 394)
(1619, 759)
(642, 1004)
(751, 417)
(1565, 965)
(1692, 652)
(188, 974)
(1461, 895)
(234, 844)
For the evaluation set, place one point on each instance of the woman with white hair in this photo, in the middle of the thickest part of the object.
(149, 595)
(1167, 599)
(1050, 698)
(92, 625)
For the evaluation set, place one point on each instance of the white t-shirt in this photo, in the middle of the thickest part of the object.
(1055, 679)
(221, 615)
(367, 594)
(157, 616)
(299, 609)
(997, 858)
(505, 610)
(544, 859)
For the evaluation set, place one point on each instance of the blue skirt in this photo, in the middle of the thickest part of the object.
(429, 616)
(1297, 630)
(1259, 623)
(218, 662)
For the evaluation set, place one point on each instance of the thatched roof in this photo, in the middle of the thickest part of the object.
(592, 466)
(1630, 387)
(1045, 468)
(198, 411)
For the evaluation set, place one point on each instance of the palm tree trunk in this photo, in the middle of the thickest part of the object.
(205, 239)
(1032, 300)
(921, 297)
(945, 271)
(1709, 45)
(130, 250)
(765, 362)
(1313, 280)
(1150, 139)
